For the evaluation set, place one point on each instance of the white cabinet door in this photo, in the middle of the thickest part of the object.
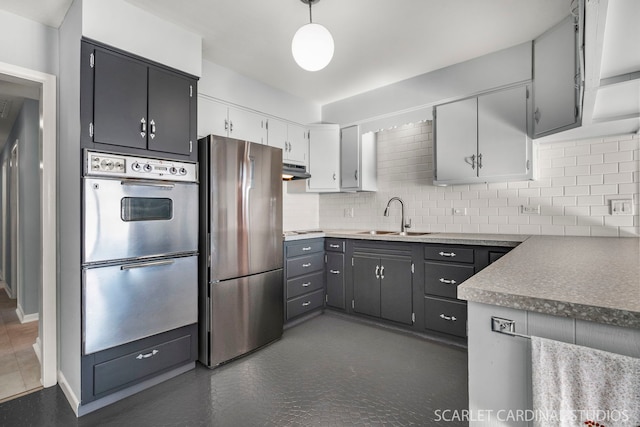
(503, 145)
(555, 67)
(247, 126)
(298, 150)
(349, 156)
(456, 141)
(277, 135)
(212, 118)
(324, 158)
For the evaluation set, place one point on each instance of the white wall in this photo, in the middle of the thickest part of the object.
(28, 44)
(494, 70)
(122, 25)
(576, 181)
(226, 85)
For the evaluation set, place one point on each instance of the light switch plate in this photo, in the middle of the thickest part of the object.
(622, 207)
(530, 209)
(459, 211)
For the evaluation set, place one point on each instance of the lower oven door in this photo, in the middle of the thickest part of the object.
(127, 302)
(138, 218)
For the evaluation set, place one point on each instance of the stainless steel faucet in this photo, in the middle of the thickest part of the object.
(403, 225)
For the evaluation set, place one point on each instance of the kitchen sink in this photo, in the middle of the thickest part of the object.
(394, 233)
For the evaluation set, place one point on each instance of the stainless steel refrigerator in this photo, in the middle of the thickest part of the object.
(241, 287)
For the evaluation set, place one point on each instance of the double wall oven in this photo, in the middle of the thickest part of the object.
(140, 242)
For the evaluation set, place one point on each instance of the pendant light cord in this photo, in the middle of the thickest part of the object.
(310, 18)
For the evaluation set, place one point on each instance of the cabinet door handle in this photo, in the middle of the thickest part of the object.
(334, 176)
(146, 356)
(447, 254)
(448, 282)
(536, 115)
(230, 126)
(448, 318)
(334, 246)
(306, 285)
(480, 161)
(306, 265)
(306, 248)
(143, 127)
(226, 124)
(306, 303)
(382, 272)
(334, 271)
(152, 129)
(356, 174)
(377, 271)
(473, 161)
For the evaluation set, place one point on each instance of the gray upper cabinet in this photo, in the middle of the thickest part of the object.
(358, 164)
(483, 139)
(556, 78)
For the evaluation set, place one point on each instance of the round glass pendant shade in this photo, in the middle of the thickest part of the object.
(312, 47)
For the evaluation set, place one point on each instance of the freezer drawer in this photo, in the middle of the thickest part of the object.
(130, 301)
(246, 313)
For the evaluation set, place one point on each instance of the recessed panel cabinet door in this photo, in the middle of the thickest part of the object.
(120, 101)
(349, 157)
(298, 144)
(502, 133)
(457, 140)
(366, 285)
(324, 158)
(396, 290)
(169, 112)
(335, 280)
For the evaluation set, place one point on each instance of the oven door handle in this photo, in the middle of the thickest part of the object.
(156, 184)
(146, 264)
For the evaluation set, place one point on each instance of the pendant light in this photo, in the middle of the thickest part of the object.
(312, 45)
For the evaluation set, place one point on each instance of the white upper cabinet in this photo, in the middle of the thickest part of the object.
(216, 118)
(358, 161)
(324, 158)
(291, 138)
(556, 80)
(483, 139)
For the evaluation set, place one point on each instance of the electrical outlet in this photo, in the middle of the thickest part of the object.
(530, 209)
(459, 211)
(348, 212)
(622, 207)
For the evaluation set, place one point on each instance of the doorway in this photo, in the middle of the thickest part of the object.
(45, 84)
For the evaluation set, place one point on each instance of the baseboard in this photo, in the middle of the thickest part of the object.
(37, 347)
(26, 318)
(73, 400)
(7, 290)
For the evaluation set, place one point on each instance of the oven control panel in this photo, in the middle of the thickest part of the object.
(123, 166)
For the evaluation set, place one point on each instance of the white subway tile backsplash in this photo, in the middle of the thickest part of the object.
(576, 181)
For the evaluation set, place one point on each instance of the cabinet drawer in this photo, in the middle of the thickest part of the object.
(443, 279)
(135, 366)
(303, 284)
(304, 247)
(445, 316)
(334, 245)
(305, 265)
(305, 303)
(444, 253)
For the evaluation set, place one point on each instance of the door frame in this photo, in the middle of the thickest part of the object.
(48, 216)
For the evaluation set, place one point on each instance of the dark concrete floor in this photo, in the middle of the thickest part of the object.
(328, 371)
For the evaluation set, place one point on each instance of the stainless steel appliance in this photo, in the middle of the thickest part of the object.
(241, 287)
(140, 243)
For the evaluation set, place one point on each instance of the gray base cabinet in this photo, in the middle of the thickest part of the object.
(334, 271)
(304, 277)
(382, 281)
(117, 368)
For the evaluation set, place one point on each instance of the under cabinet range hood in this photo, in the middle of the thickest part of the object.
(291, 172)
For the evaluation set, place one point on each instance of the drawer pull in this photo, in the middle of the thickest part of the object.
(146, 356)
(306, 285)
(448, 282)
(447, 254)
(306, 303)
(448, 318)
(306, 248)
(334, 246)
(334, 271)
(307, 265)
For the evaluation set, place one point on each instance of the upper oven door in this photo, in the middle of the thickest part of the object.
(126, 219)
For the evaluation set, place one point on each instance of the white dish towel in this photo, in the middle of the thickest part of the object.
(580, 386)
